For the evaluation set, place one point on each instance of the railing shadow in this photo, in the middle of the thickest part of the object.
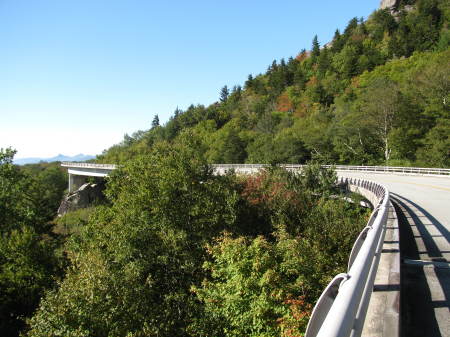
(440, 227)
(421, 280)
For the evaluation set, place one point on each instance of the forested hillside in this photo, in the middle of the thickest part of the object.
(29, 259)
(378, 93)
(179, 251)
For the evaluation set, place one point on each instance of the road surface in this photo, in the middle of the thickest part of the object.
(423, 207)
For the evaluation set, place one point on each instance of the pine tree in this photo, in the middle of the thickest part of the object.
(249, 82)
(224, 92)
(274, 66)
(352, 25)
(155, 122)
(338, 42)
(315, 52)
(324, 62)
(237, 89)
(337, 35)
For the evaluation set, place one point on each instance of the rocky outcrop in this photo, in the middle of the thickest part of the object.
(87, 195)
(395, 8)
(388, 3)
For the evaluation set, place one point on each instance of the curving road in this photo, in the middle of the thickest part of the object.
(423, 207)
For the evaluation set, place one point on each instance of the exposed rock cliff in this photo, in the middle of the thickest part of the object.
(85, 196)
(388, 3)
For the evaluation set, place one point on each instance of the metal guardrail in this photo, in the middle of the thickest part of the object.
(342, 307)
(396, 169)
(89, 165)
(387, 169)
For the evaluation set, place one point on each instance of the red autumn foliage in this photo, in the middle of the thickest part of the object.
(302, 56)
(262, 189)
(284, 103)
(300, 312)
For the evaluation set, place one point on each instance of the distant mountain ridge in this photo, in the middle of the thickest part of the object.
(59, 157)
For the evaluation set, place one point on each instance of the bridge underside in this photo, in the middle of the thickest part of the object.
(80, 176)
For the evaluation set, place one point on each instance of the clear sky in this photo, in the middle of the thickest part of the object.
(76, 75)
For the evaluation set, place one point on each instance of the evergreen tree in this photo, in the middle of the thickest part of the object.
(315, 51)
(155, 122)
(224, 93)
(273, 67)
(236, 92)
(337, 35)
(338, 42)
(324, 62)
(352, 25)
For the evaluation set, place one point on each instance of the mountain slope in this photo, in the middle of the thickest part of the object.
(376, 94)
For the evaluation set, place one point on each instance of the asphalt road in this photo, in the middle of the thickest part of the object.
(423, 207)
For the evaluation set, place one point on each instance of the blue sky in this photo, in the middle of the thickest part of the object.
(75, 76)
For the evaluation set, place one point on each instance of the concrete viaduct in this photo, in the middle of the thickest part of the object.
(406, 291)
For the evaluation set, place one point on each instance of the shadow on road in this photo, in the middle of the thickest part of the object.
(425, 273)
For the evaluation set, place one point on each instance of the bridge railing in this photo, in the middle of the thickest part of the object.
(387, 169)
(254, 167)
(89, 165)
(396, 169)
(342, 307)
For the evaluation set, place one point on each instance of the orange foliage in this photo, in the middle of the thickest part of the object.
(306, 108)
(300, 312)
(312, 81)
(262, 190)
(284, 103)
(302, 56)
(355, 82)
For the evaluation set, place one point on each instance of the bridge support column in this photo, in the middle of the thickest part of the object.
(75, 181)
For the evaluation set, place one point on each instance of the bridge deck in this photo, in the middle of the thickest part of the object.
(423, 204)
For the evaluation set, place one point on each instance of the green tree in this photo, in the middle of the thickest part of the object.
(226, 146)
(315, 49)
(224, 93)
(19, 198)
(155, 122)
(435, 152)
(27, 262)
(28, 266)
(379, 104)
(134, 264)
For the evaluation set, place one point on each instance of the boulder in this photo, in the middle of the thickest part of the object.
(388, 3)
(87, 195)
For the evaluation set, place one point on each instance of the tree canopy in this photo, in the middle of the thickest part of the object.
(383, 81)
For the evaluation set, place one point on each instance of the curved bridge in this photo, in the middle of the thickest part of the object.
(398, 278)
(418, 266)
